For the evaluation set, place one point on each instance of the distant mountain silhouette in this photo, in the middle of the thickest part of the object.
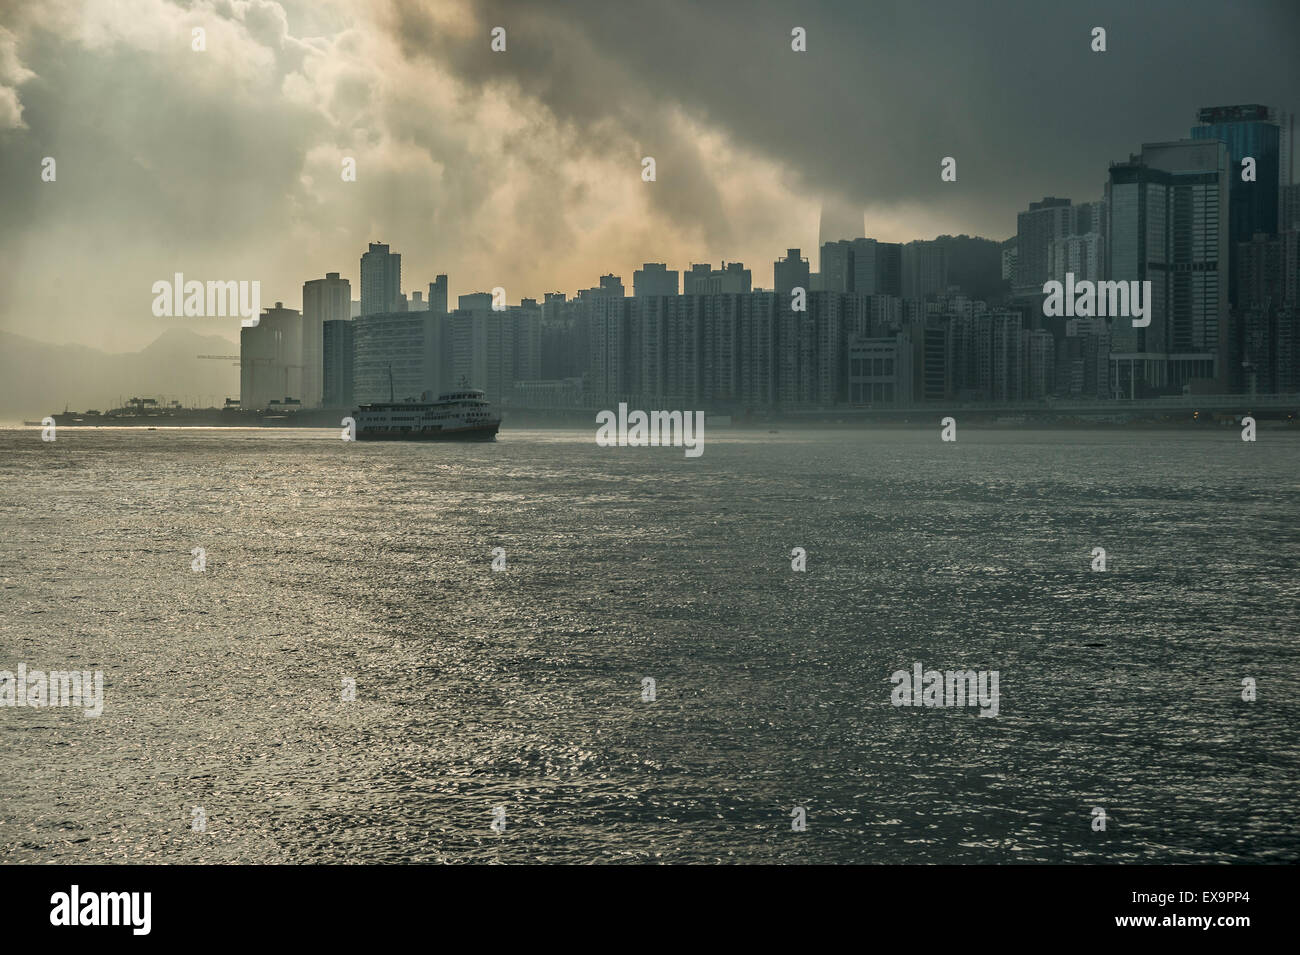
(975, 265)
(38, 378)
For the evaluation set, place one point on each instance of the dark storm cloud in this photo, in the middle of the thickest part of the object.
(523, 168)
(1013, 91)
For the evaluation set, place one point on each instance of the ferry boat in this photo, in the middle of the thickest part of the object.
(461, 415)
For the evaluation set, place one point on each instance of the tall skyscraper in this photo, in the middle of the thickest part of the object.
(1249, 131)
(323, 300)
(1168, 226)
(839, 220)
(438, 296)
(381, 280)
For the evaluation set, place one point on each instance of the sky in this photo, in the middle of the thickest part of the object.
(523, 168)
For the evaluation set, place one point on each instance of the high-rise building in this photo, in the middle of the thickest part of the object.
(809, 349)
(564, 353)
(611, 349)
(683, 347)
(654, 278)
(525, 331)
(1089, 217)
(703, 280)
(1268, 269)
(1083, 359)
(475, 302)
(836, 266)
(323, 300)
(720, 365)
(1009, 256)
(880, 370)
(438, 296)
(1052, 218)
(1038, 359)
(1267, 313)
(270, 359)
(1290, 207)
(933, 375)
(790, 273)
(1082, 256)
(336, 371)
(397, 354)
(1168, 225)
(889, 270)
(1080, 252)
(492, 349)
(1005, 356)
(973, 265)
(1269, 358)
(381, 280)
(877, 267)
(1250, 131)
(756, 331)
(925, 269)
(1286, 152)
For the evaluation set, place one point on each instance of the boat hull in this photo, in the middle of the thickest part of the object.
(477, 433)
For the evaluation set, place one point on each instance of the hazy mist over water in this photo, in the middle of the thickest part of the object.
(522, 689)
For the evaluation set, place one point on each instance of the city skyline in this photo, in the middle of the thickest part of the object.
(876, 323)
(497, 169)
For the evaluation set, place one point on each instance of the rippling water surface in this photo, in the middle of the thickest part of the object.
(522, 689)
